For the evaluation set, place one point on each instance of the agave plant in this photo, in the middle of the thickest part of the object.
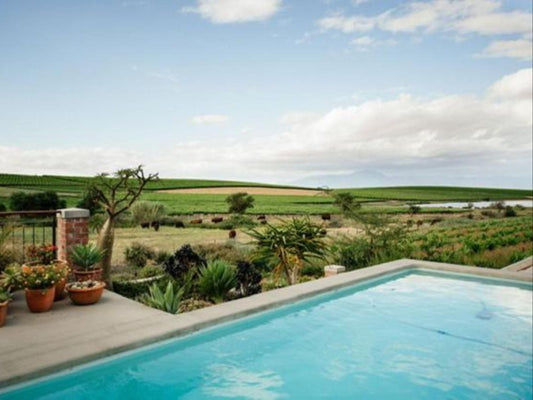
(216, 280)
(86, 255)
(168, 301)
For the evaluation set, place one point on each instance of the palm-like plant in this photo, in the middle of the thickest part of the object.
(168, 301)
(216, 280)
(291, 243)
(86, 255)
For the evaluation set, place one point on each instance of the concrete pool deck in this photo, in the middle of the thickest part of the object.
(34, 345)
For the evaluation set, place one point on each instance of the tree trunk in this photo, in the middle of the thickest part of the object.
(106, 238)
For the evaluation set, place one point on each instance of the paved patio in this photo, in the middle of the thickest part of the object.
(33, 345)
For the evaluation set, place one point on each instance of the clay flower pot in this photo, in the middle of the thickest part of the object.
(40, 300)
(83, 296)
(3, 312)
(89, 275)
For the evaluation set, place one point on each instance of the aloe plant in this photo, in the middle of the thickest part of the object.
(168, 301)
(216, 280)
(86, 256)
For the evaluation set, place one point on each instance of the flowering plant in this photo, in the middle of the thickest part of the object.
(43, 254)
(39, 276)
(61, 270)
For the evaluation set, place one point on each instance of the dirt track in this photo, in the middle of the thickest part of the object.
(249, 190)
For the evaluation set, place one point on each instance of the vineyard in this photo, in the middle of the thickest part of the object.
(490, 243)
(387, 199)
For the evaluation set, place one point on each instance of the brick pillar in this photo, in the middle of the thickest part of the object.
(72, 229)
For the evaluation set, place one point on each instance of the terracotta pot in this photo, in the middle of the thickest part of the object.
(60, 290)
(83, 297)
(90, 275)
(3, 312)
(40, 300)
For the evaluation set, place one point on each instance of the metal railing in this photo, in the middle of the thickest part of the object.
(20, 229)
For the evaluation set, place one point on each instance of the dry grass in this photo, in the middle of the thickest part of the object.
(167, 238)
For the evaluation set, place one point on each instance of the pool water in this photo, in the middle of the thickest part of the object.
(415, 335)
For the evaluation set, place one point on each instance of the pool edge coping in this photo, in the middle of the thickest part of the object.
(187, 323)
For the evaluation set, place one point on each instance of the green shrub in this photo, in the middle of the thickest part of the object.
(149, 271)
(237, 221)
(353, 254)
(509, 212)
(216, 280)
(138, 254)
(21, 201)
(239, 202)
(147, 212)
(133, 289)
(161, 256)
(229, 252)
(168, 301)
(316, 271)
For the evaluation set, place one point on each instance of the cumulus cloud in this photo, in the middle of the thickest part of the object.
(235, 11)
(461, 17)
(209, 119)
(520, 48)
(435, 141)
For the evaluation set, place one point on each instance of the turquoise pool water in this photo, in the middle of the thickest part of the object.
(416, 335)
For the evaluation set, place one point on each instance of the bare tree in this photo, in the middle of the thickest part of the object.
(116, 194)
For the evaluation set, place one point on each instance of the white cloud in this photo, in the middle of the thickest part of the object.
(520, 48)
(436, 141)
(460, 17)
(235, 11)
(209, 119)
(464, 16)
(363, 43)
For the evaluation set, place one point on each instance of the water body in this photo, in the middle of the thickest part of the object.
(477, 204)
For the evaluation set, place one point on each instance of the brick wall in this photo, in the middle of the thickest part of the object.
(72, 229)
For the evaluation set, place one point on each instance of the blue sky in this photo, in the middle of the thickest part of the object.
(339, 93)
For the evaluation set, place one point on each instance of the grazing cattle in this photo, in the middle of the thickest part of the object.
(216, 220)
(261, 217)
(145, 225)
(232, 234)
(196, 221)
(326, 217)
(179, 224)
(155, 225)
(263, 222)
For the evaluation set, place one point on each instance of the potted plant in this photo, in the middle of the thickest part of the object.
(85, 292)
(85, 257)
(5, 298)
(45, 254)
(39, 284)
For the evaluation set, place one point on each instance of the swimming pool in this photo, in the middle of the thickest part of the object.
(410, 335)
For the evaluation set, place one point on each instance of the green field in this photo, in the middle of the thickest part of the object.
(387, 199)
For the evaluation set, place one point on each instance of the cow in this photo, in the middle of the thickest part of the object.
(196, 221)
(261, 217)
(326, 217)
(232, 234)
(216, 220)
